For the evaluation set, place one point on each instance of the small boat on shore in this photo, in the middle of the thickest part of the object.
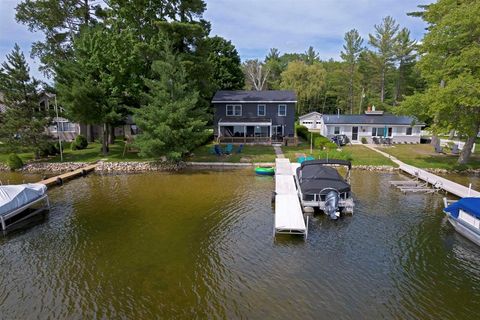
(20, 202)
(265, 171)
(321, 186)
(464, 215)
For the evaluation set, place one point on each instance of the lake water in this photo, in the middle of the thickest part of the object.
(200, 245)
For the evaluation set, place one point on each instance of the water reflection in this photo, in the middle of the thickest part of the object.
(200, 245)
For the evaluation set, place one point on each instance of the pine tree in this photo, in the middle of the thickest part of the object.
(24, 122)
(384, 41)
(171, 124)
(352, 49)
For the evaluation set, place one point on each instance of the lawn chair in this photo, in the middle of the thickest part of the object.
(438, 149)
(218, 150)
(240, 148)
(375, 140)
(229, 148)
(455, 149)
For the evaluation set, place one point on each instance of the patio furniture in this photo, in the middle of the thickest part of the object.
(218, 150)
(240, 148)
(438, 149)
(229, 148)
(375, 140)
(455, 149)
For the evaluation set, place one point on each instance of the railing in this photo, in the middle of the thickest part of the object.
(245, 139)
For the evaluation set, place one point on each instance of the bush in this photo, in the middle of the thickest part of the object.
(79, 143)
(50, 148)
(319, 141)
(364, 140)
(14, 162)
(302, 132)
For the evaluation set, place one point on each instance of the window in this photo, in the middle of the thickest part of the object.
(234, 110)
(282, 110)
(409, 131)
(378, 132)
(261, 110)
(336, 130)
(62, 126)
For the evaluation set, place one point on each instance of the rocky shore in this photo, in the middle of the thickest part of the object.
(136, 167)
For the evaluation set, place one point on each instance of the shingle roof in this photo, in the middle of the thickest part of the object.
(370, 119)
(255, 96)
(308, 115)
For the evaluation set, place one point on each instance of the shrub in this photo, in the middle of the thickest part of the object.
(50, 148)
(364, 140)
(302, 132)
(79, 143)
(14, 162)
(319, 141)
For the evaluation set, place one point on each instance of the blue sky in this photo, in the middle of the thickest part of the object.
(255, 26)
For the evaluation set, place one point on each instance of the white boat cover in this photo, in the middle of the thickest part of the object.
(13, 197)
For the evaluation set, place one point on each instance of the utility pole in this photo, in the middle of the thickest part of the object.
(58, 130)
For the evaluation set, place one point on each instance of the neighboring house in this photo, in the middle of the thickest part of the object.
(312, 120)
(372, 124)
(254, 116)
(60, 126)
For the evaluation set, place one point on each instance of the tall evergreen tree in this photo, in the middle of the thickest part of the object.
(405, 57)
(384, 41)
(311, 56)
(352, 49)
(171, 123)
(24, 122)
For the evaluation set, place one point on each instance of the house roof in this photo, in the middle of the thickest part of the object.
(311, 114)
(255, 96)
(385, 119)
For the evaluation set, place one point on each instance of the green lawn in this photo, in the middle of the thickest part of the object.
(252, 153)
(92, 153)
(357, 154)
(424, 156)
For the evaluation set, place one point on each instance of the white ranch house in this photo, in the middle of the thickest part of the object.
(371, 125)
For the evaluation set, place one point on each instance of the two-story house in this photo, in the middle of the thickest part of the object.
(254, 116)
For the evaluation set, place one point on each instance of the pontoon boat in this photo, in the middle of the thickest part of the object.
(321, 186)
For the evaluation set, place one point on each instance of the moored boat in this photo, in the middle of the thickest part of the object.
(19, 202)
(321, 186)
(265, 171)
(464, 215)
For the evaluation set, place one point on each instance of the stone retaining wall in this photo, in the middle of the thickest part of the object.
(134, 167)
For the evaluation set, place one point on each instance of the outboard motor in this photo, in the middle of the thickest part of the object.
(331, 204)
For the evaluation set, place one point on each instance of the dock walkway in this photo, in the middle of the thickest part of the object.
(439, 182)
(288, 211)
(60, 179)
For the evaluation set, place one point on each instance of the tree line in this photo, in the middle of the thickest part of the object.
(380, 72)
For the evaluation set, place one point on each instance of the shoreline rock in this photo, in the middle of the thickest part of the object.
(150, 166)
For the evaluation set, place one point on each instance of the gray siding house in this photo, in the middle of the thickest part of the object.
(254, 116)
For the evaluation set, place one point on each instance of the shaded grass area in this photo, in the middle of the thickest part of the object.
(357, 154)
(424, 156)
(252, 153)
(92, 153)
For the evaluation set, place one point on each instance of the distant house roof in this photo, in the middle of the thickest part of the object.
(255, 96)
(314, 114)
(385, 119)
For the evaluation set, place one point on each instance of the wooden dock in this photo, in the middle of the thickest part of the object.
(60, 179)
(430, 178)
(288, 211)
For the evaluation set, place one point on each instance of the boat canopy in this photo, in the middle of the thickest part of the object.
(469, 205)
(314, 179)
(327, 162)
(13, 197)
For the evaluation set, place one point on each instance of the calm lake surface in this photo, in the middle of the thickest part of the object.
(200, 245)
